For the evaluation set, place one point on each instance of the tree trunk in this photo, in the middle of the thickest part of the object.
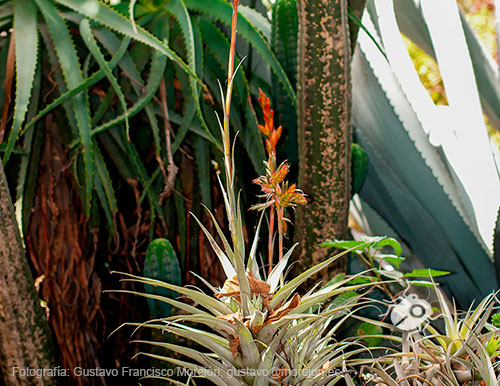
(25, 339)
(324, 126)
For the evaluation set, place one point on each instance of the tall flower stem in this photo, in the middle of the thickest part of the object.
(280, 233)
(270, 243)
(234, 215)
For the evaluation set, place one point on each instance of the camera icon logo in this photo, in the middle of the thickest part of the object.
(411, 313)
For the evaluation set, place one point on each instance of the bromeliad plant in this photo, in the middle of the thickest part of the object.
(263, 331)
(465, 352)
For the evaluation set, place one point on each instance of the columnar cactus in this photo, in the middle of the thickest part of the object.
(161, 264)
(324, 125)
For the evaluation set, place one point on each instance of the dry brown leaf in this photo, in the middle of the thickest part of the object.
(234, 345)
(283, 311)
(231, 287)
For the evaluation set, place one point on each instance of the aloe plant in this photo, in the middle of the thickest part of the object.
(432, 175)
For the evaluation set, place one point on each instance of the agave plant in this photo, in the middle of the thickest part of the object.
(419, 187)
(263, 331)
(433, 173)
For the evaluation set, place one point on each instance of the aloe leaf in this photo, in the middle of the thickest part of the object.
(158, 63)
(90, 81)
(257, 19)
(144, 93)
(193, 48)
(103, 107)
(107, 195)
(100, 12)
(26, 44)
(126, 158)
(222, 10)
(30, 162)
(470, 150)
(70, 68)
(89, 40)
(284, 43)
(6, 13)
(412, 24)
(178, 9)
(202, 152)
(190, 107)
(496, 246)
(59, 79)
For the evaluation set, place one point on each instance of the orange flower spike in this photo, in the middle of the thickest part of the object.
(263, 100)
(281, 173)
(279, 131)
(287, 195)
(264, 130)
(298, 198)
(269, 118)
(265, 104)
(284, 226)
(274, 138)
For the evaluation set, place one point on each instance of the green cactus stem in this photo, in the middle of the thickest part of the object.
(324, 126)
(161, 263)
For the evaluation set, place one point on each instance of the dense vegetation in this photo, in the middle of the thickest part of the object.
(117, 122)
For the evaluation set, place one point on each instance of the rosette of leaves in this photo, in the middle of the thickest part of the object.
(262, 331)
(464, 352)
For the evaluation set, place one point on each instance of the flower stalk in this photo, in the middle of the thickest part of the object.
(233, 211)
(279, 195)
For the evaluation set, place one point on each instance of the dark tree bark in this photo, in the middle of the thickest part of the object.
(25, 339)
(324, 126)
